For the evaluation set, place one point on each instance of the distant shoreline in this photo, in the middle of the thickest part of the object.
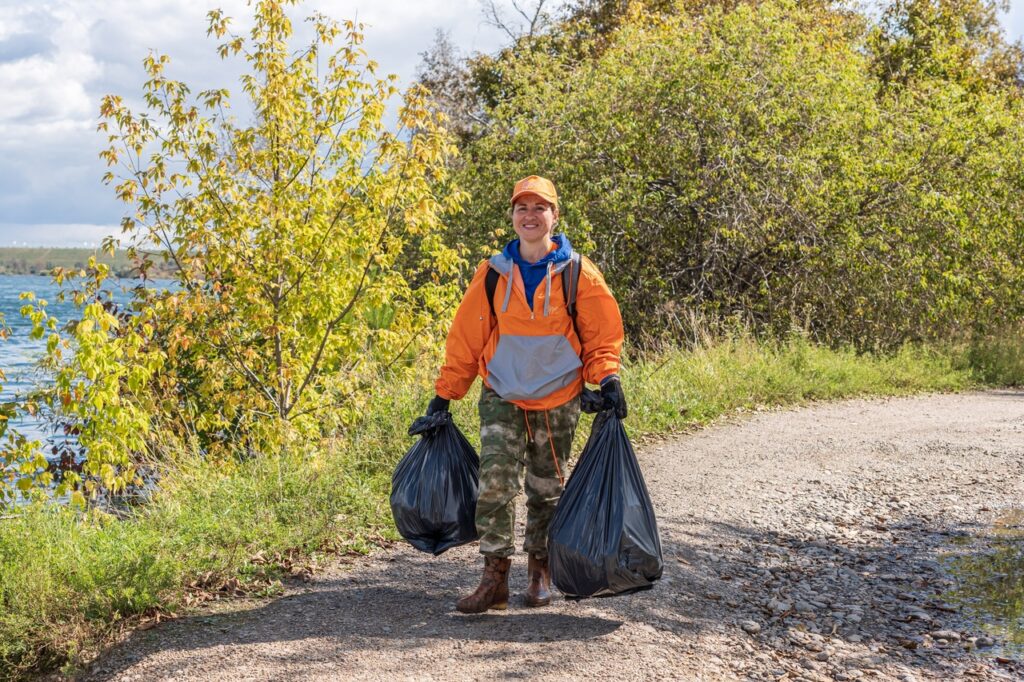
(17, 260)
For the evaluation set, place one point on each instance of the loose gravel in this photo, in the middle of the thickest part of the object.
(807, 544)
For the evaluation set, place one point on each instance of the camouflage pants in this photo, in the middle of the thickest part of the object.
(513, 440)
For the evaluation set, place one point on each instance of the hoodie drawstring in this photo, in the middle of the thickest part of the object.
(508, 289)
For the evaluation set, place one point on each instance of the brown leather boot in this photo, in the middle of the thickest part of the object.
(538, 592)
(492, 593)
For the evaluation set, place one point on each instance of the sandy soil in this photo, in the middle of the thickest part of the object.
(802, 544)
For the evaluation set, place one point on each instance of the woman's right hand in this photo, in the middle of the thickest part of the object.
(437, 404)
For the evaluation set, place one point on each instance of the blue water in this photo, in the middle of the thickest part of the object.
(19, 353)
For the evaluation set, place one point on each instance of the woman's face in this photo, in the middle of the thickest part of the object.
(532, 218)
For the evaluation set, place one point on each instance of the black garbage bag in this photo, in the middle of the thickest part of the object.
(603, 539)
(435, 486)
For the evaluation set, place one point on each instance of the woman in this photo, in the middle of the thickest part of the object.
(533, 358)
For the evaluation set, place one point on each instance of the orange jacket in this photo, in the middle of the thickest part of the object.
(532, 358)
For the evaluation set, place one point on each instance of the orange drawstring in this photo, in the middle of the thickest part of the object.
(554, 457)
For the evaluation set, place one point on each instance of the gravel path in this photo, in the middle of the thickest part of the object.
(800, 544)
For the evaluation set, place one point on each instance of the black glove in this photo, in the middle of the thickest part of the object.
(437, 404)
(614, 398)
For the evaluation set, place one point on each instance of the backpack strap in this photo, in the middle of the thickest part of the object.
(571, 284)
(491, 284)
(571, 287)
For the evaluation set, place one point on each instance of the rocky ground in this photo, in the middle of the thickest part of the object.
(814, 544)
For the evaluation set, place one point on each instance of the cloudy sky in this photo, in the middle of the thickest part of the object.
(59, 57)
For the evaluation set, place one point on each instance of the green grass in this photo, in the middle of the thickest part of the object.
(69, 581)
(999, 359)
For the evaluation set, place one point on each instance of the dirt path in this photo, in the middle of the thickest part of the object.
(803, 544)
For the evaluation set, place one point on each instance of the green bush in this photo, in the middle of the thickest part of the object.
(750, 163)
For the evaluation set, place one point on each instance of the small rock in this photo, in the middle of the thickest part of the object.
(804, 607)
(948, 635)
(910, 642)
(750, 627)
(985, 641)
(821, 656)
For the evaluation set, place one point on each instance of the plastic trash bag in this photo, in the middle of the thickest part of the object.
(603, 539)
(435, 486)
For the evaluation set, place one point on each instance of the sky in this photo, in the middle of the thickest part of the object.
(59, 57)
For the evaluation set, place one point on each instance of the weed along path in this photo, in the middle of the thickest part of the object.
(827, 542)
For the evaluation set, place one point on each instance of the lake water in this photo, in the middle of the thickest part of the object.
(19, 353)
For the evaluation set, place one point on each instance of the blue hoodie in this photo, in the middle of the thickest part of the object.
(533, 273)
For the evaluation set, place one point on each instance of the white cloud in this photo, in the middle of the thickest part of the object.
(49, 91)
(59, 234)
(14, 20)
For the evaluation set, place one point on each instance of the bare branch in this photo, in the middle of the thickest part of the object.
(534, 23)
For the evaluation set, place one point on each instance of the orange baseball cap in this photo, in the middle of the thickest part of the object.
(534, 184)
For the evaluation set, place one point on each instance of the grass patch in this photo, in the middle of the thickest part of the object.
(998, 360)
(70, 581)
(681, 389)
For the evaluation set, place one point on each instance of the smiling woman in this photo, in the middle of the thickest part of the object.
(533, 350)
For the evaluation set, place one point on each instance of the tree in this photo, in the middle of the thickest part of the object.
(740, 163)
(307, 247)
(447, 76)
(534, 19)
(955, 40)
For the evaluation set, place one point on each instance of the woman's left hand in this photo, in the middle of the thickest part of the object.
(614, 398)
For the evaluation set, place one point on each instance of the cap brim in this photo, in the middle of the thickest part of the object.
(551, 200)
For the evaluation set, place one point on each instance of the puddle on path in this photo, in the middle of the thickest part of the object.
(990, 573)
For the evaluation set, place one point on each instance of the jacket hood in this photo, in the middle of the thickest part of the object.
(510, 254)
